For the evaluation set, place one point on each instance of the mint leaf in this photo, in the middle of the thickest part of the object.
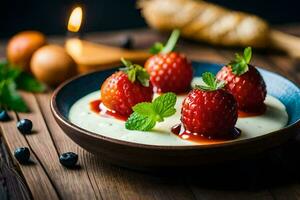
(11, 78)
(28, 83)
(145, 109)
(139, 122)
(239, 65)
(147, 114)
(10, 99)
(8, 71)
(164, 104)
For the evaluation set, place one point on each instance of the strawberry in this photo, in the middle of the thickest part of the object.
(125, 88)
(209, 110)
(169, 71)
(244, 82)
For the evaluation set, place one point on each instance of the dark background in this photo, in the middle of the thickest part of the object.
(50, 16)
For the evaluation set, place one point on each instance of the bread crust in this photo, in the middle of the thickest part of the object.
(206, 22)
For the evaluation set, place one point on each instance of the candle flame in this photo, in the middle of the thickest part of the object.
(75, 20)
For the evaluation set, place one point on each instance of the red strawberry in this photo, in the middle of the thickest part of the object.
(244, 82)
(124, 89)
(209, 110)
(169, 71)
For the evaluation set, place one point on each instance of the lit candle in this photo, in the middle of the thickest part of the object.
(90, 56)
(73, 43)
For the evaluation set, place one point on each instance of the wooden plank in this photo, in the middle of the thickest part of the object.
(286, 192)
(81, 184)
(15, 187)
(34, 174)
(118, 183)
(69, 184)
(112, 182)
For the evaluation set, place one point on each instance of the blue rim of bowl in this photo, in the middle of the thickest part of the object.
(55, 111)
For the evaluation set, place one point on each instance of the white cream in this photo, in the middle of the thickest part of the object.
(80, 114)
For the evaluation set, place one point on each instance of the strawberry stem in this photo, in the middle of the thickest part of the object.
(210, 82)
(135, 72)
(171, 42)
(239, 65)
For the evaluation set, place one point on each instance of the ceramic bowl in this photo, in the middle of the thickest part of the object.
(152, 157)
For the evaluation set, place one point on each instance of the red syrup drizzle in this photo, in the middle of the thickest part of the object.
(98, 107)
(195, 137)
(260, 111)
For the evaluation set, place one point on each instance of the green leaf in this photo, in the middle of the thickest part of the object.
(11, 78)
(142, 76)
(13, 73)
(126, 63)
(131, 75)
(28, 83)
(247, 54)
(164, 104)
(147, 114)
(136, 72)
(169, 112)
(139, 122)
(239, 65)
(156, 48)
(211, 83)
(203, 87)
(8, 71)
(209, 79)
(239, 68)
(10, 98)
(145, 109)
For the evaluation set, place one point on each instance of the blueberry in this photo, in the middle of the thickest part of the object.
(24, 126)
(4, 116)
(127, 43)
(22, 154)
(68, 159)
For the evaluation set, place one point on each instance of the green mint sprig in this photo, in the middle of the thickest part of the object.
(211, 83)
(239, 65)
(11, 79)
(158, 47)
(146, 114)
(135, 72)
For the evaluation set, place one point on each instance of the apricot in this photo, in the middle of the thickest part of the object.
(52, 65)
(21, 47)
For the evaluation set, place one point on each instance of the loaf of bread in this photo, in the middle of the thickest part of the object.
(203, 21)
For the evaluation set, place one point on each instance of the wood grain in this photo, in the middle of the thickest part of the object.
(269, 176)
(13, 183)
(34, 174)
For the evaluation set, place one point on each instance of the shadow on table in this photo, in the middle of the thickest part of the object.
(276, 167)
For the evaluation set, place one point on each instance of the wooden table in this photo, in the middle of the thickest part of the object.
(270, 175)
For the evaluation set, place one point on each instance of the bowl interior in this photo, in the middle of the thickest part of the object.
(286, 91)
